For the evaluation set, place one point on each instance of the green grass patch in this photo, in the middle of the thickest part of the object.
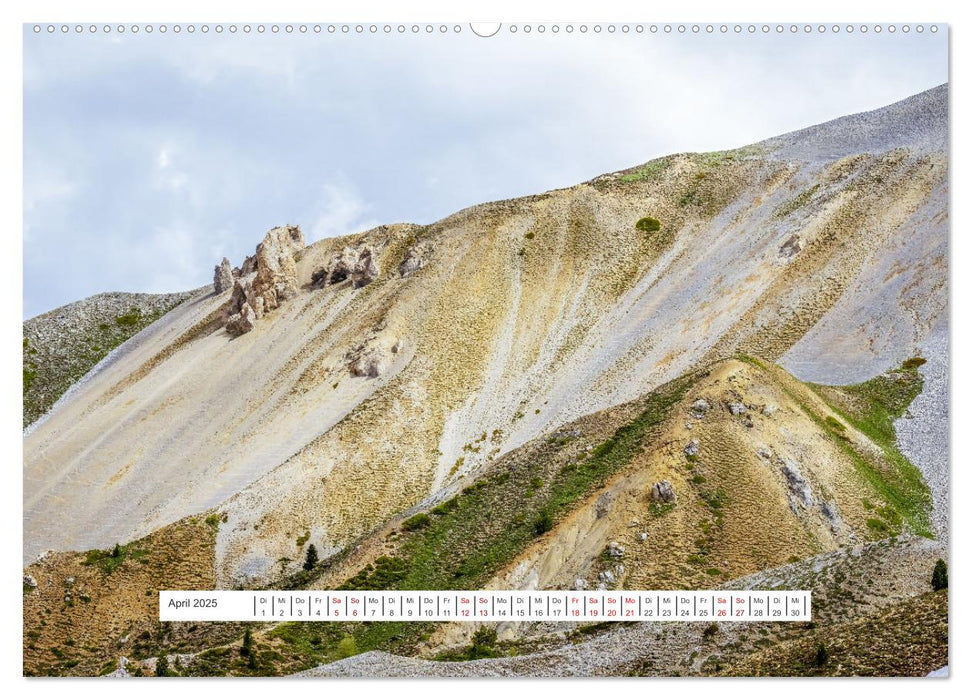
(871, 408)
(110, 559)
(658, 509)
(835, 424)
(385, 573)
(648, 224)
(131, 318)
(716, 499)
(446, 507)
(483, 646)
(416, 522)
(754, 361)
(714, 159)
(650, 171)
(913, 363)
(880, 528)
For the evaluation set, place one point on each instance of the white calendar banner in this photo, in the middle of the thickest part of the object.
(483, 606)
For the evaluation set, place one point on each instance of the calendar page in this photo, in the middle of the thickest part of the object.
(438, 349)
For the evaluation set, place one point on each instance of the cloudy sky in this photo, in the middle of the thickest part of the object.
(149, 157)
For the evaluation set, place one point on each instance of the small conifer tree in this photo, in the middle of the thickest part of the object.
(939, 578)
(312, 559)
(822, 656)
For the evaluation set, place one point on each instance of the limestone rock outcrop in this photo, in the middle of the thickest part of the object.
(222, 277)
(248, 267)
(372, 358)
(414, 260)
(276, 269)
(797, 483)
(274, 282)
(359, 265)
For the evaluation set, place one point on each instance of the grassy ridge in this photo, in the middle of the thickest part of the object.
(871, 407)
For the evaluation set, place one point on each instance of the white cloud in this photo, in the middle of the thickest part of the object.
(340, 210)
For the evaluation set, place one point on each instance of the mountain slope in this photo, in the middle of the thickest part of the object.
(62, 345)
(494, 326)
(761, 471)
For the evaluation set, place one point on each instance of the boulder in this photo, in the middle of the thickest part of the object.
(222, 277)
(368, 365)
(241, 291)
(792, 245)
(122, 670)
(30, 581)
(241, 322)
(366, 270)
(615, 550)
(359, 265)
(604, 502)
(412, 262)
(663, 492)
(736, 408)
(372, 357)
(691, 449)
(699, 408)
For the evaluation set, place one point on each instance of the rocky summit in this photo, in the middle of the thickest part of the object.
(710, 370)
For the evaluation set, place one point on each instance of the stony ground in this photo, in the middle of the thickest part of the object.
(82, 611)
(854, 590)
